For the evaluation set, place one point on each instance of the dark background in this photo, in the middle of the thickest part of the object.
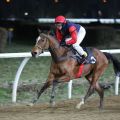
(51, 8)
(22, 16)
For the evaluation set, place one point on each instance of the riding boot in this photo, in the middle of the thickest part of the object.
(81, 52)
(84, 56)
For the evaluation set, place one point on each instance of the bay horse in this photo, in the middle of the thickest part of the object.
(65, 68)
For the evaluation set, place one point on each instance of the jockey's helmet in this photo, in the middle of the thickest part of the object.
(60, 19)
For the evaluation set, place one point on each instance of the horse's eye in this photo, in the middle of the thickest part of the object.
(42, 40)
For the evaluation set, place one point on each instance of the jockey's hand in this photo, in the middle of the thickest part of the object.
(68, 45)
(62, 43)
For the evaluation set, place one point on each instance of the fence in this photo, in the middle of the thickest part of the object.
(82, 20)
(27, 56)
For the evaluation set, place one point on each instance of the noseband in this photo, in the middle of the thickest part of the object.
(39, 47)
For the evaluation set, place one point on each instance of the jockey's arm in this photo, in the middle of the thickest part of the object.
(73, 34)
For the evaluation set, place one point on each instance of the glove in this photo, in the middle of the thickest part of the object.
(62, 44)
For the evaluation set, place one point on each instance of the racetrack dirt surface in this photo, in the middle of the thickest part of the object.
(64, 110)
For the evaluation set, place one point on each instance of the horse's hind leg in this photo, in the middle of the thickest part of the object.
(100, 91)
(89, 93)
(94, 85)
(52, 102)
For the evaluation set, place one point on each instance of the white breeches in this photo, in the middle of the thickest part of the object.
(80, 36)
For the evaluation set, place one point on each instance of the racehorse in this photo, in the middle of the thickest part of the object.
(65, 68)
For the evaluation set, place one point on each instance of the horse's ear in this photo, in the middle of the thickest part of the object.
(44, 35)
(39, 31)
(48, 32)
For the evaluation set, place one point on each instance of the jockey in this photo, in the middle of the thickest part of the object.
(73, 34)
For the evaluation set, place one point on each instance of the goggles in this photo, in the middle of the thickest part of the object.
(58, 24)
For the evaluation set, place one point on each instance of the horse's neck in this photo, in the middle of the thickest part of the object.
(54, 42)
(56, 50)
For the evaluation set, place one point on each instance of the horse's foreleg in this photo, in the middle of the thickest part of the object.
(52, 102)
(64, 78)
(44, 87)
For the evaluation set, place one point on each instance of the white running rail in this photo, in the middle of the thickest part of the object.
(27, 56)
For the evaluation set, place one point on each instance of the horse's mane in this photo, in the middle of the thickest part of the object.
(51, 38)
(61, 50)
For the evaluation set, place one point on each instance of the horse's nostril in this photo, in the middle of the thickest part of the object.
(34, 53)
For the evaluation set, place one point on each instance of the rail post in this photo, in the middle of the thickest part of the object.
(117, 84)
(17, 76)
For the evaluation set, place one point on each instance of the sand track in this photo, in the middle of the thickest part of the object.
(64, 110)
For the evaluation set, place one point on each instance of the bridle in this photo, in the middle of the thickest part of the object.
(53, 48)
(39, 47)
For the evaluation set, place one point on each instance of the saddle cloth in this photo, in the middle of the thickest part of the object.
(90, 59)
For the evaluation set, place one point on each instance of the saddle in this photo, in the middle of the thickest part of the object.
(90, 59)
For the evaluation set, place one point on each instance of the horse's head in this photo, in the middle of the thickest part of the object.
(42, 43)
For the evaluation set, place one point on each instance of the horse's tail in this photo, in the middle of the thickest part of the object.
(106, 86)
(116, 63)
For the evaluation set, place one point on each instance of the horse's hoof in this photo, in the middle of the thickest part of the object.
(100, 108)
(78, 106)
(52, 104)
(34, 101)
(30, 104)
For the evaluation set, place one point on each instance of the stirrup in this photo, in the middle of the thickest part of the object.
(83, 60)
(85, 54)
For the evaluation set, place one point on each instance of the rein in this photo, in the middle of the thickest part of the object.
(54, 47)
